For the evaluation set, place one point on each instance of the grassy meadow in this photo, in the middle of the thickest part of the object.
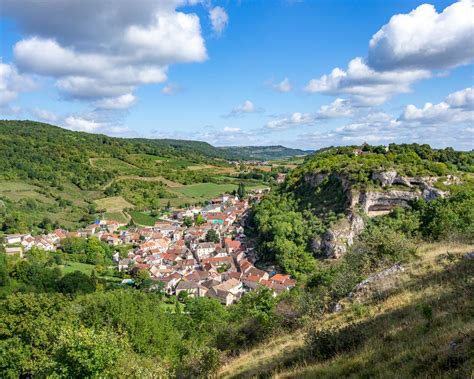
(420, 325)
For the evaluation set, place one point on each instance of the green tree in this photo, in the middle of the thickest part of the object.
(199, 220)
(4, 271)
(188, 221)
(76, 282)
(87, 353)
(212, 236)
(241, 192)
(142, 279)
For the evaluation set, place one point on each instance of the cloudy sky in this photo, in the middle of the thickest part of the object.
(299, 73)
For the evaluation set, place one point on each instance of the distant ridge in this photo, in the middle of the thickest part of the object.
(265, 152)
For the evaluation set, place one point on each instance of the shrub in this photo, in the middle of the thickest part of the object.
(326, 343)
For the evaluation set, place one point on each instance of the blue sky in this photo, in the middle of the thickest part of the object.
(299, 73)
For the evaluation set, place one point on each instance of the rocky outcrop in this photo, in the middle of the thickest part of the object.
(371, 202)
(375, 203)
(380, 282)
(335, 242)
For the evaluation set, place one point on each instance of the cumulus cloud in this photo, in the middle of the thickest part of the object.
(95, 123)
(107, 49)
(44, 115)
(83, 125)
(283, 86)
(384, 129)
(120, 102)
(462, 99)
(403, 52)
(227, 136)
(448, 123)
(366, 86)
(295, 119)
(339, 108)
(246, 107)
(219, 19)
(12, 83)
(458, 108)
(425, 39)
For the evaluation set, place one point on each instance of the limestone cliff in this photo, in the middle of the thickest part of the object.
(390, 190)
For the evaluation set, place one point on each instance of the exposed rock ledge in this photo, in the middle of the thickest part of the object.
(379, 282)
(335, 241)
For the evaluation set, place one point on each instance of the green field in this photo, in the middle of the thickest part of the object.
(78, 266)
(141, 218)
(16, 190)
(205, 190)
(116, 216)
(87, 270)
(113, 204)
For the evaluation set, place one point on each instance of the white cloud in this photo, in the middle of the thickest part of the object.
(81, 124)
(219, 19)
(457, 109)
(425, 39)
(339, 108)
(95, 50)
(229, 129)
(228, 136)
(171, 89)
(403, 52)
(448, 123)
(93, 122)
(366, 86)
(44, 115)
(462, 99)
(12, 83)
(120, 102)
(246, 107)
(283, 86)
(295, 119)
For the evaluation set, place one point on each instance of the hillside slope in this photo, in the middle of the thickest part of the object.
(68, 177)
(265, 152)
(414, 323)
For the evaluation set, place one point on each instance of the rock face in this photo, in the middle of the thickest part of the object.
(380, 282)
(375, 203)
(337, 239)
(371, 202)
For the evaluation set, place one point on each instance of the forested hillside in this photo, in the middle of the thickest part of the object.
(404, 281)
(265, 152)
(338, 186)
(393, 301)
(70, 177)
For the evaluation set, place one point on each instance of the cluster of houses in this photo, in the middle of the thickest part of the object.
(213, 259)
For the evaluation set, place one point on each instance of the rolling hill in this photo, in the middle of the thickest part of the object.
(265, 152)
(69, 177)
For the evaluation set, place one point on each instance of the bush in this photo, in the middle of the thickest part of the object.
(326, 343)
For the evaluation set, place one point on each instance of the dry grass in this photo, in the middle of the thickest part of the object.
(402, 339)
(113, 204)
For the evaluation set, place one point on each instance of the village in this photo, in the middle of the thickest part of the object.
(201, 251)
